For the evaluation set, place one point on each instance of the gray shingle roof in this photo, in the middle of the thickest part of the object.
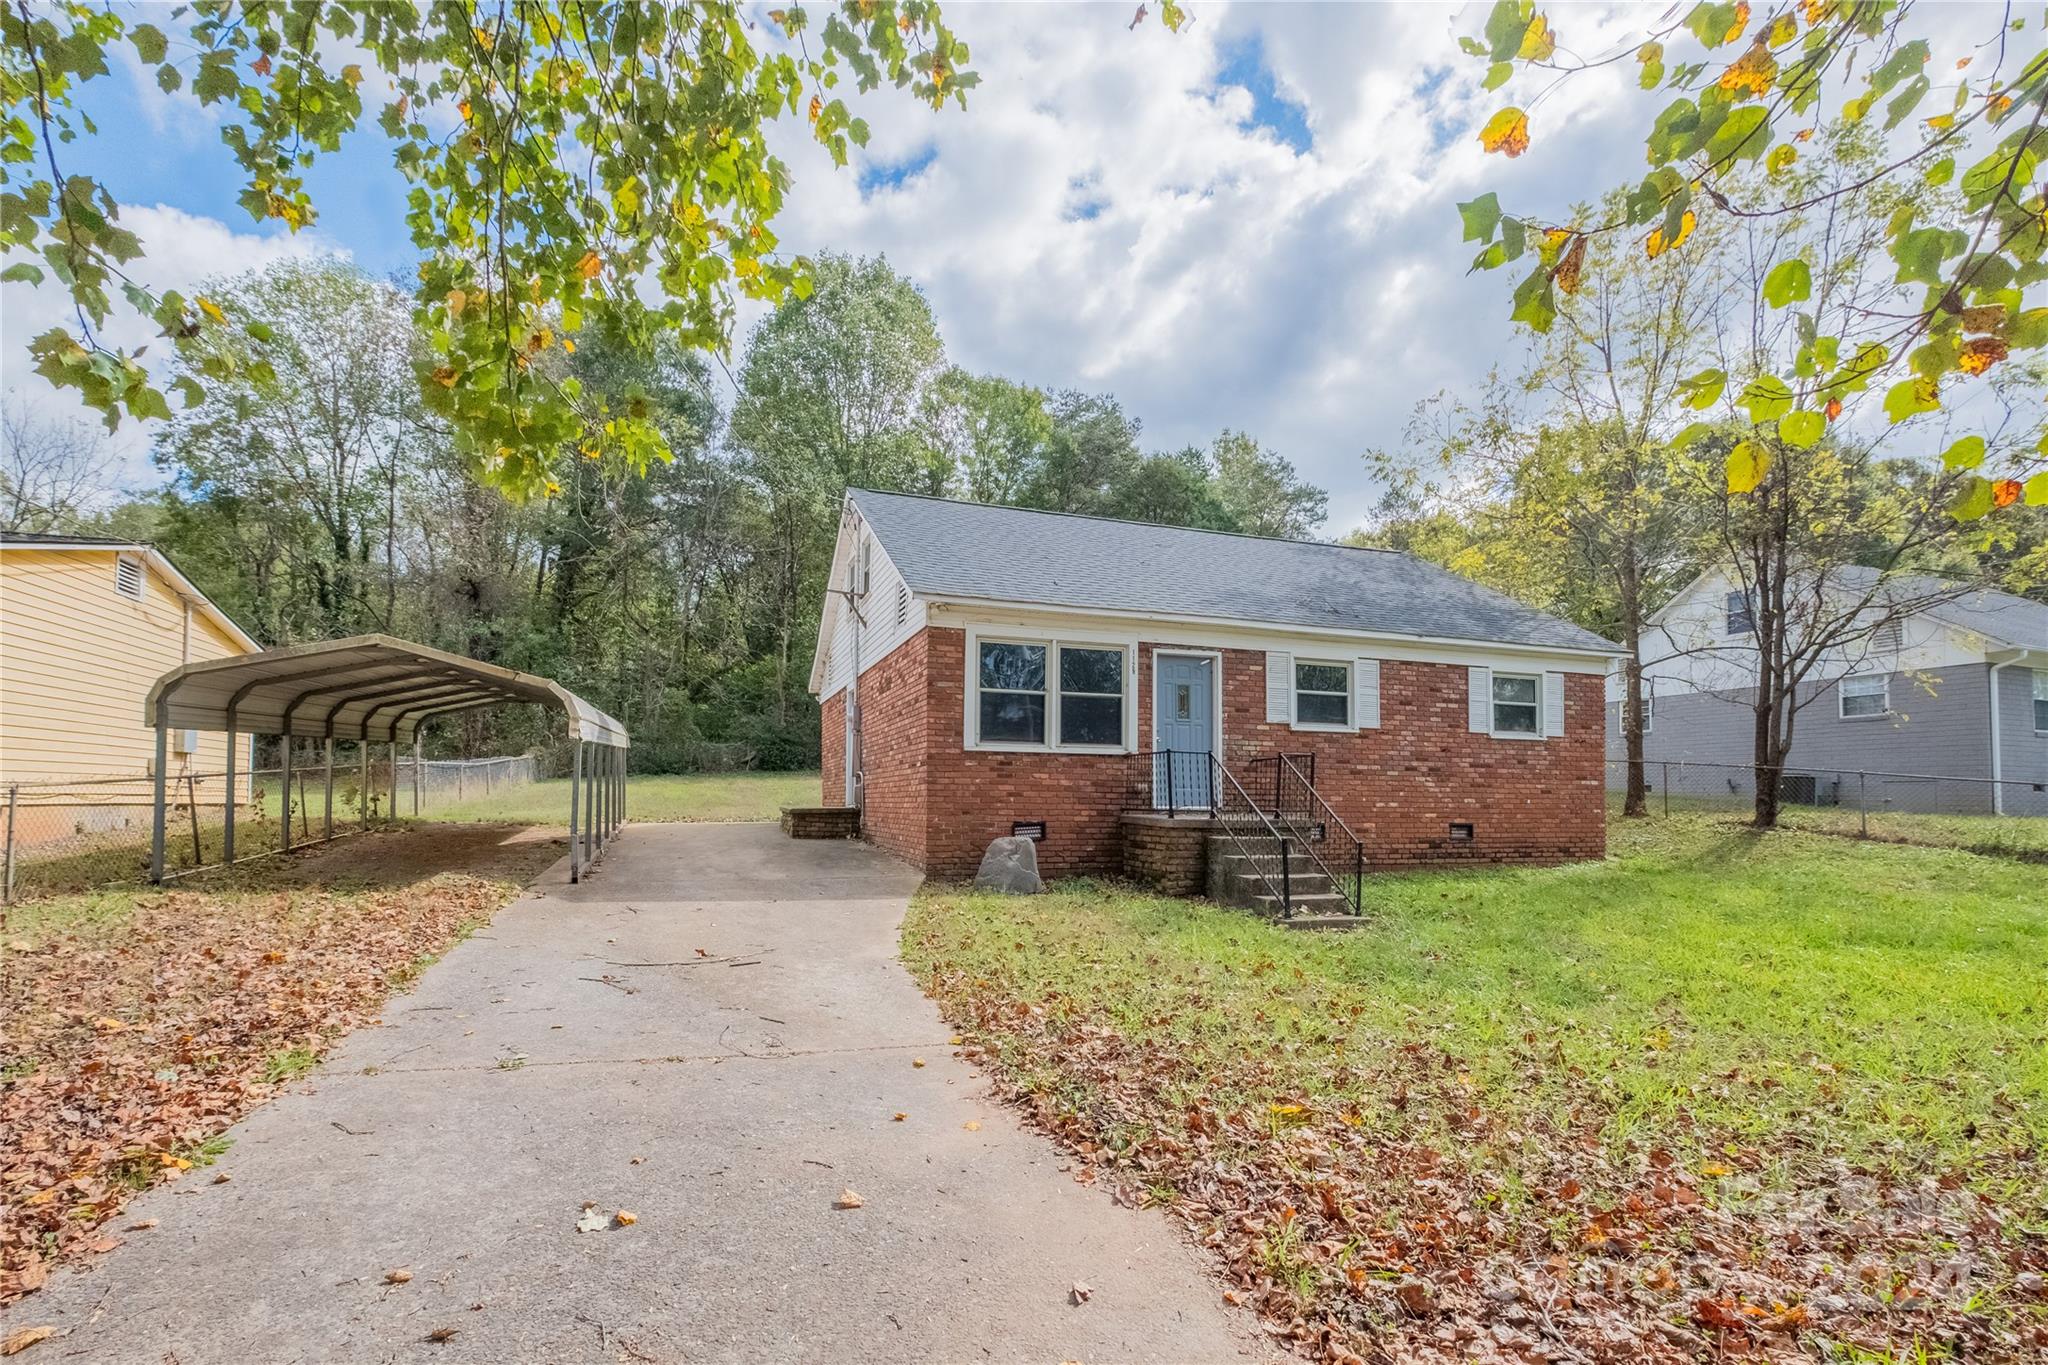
(1005, 554)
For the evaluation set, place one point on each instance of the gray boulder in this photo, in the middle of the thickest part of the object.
(1010, 866)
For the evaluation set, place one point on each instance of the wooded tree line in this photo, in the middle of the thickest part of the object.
(313, 495)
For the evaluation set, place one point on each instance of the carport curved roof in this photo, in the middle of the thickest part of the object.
(367, 687)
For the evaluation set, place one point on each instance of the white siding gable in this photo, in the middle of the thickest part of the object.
(890, 612)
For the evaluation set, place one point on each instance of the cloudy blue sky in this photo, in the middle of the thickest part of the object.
(1250, 224)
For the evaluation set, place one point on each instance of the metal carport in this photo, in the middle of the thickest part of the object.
(376, 689)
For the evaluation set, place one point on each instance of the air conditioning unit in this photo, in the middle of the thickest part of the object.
(185, 741)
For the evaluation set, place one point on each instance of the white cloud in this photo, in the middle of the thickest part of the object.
(1226, 281)
(179, 251)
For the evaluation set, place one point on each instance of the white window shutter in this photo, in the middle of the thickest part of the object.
(1553, 705)
(1480, 718)
(1279, 687)
(1365, 682)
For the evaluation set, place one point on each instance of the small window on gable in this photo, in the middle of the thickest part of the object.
(2041, 700)
(128, 577)
(1322, 694)
(1741, 621)
(1865, 696)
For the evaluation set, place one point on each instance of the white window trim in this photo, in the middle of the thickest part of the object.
(1493, 706)
(2040, 695)
(970, 732)
(1349, 694)
(1884, 681)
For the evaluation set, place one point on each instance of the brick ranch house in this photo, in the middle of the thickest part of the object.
(994, 670)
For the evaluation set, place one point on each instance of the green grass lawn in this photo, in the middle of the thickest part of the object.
(695, 796)
(1751, 1016)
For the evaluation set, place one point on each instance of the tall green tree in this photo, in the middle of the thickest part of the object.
(831, 396)
(1260, 491)
(559, 152)
(307, 450)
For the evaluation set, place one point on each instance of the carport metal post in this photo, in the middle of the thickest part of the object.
(327, 806)
(394, 780)
(416, 751)
(575, 788)
(285, 800)
(156, 828)
(364, 745)
(227, 833)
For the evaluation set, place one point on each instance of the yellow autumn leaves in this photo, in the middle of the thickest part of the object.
(1506, 132)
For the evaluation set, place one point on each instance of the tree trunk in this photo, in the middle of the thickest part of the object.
(1636, 801)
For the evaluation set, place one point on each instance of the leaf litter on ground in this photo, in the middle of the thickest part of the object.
(140, 1025)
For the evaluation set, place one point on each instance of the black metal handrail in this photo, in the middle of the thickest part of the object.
(1263, 775)
(1322, 833)
(1178, 781)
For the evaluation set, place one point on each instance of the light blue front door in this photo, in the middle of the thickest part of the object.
(1183, 728)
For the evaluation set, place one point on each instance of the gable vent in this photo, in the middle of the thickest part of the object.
(902, 604)
(128, 577)
(1885, 640)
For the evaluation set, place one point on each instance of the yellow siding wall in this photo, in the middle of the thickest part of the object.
(77, 660)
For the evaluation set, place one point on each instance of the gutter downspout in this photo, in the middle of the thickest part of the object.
(1997, 767)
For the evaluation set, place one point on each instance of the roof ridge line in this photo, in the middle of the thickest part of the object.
(1122, 521)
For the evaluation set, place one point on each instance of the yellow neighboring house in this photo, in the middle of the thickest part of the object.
(86, 625)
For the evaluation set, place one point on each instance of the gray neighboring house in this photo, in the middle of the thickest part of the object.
(1957, 690)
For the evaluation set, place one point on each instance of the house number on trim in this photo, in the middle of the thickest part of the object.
(1183, 703)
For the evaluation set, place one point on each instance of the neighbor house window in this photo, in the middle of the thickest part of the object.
(1517, 704)
(1012, 693)
(2041, 700)
(1741, 621)
(1322, 694)
(1049, 694)
(1865, 696)
(128, 576)
(1091, 696)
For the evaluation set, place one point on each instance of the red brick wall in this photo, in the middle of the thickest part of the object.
(893, 750)
(1399, 787)
(975, 796)
(832, 750)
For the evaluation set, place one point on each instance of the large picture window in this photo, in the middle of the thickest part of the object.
(1091, 696)
(1046, 694)
(1864, 696)
(1322, 694)
(1012, 693)
(1517, 704)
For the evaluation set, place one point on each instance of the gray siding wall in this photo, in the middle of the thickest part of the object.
(1939, 725)
(2023, 749)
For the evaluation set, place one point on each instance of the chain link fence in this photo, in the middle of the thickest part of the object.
(71, 834)
(1982, 815)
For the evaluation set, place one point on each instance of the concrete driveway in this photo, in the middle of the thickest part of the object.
(713, 1033)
